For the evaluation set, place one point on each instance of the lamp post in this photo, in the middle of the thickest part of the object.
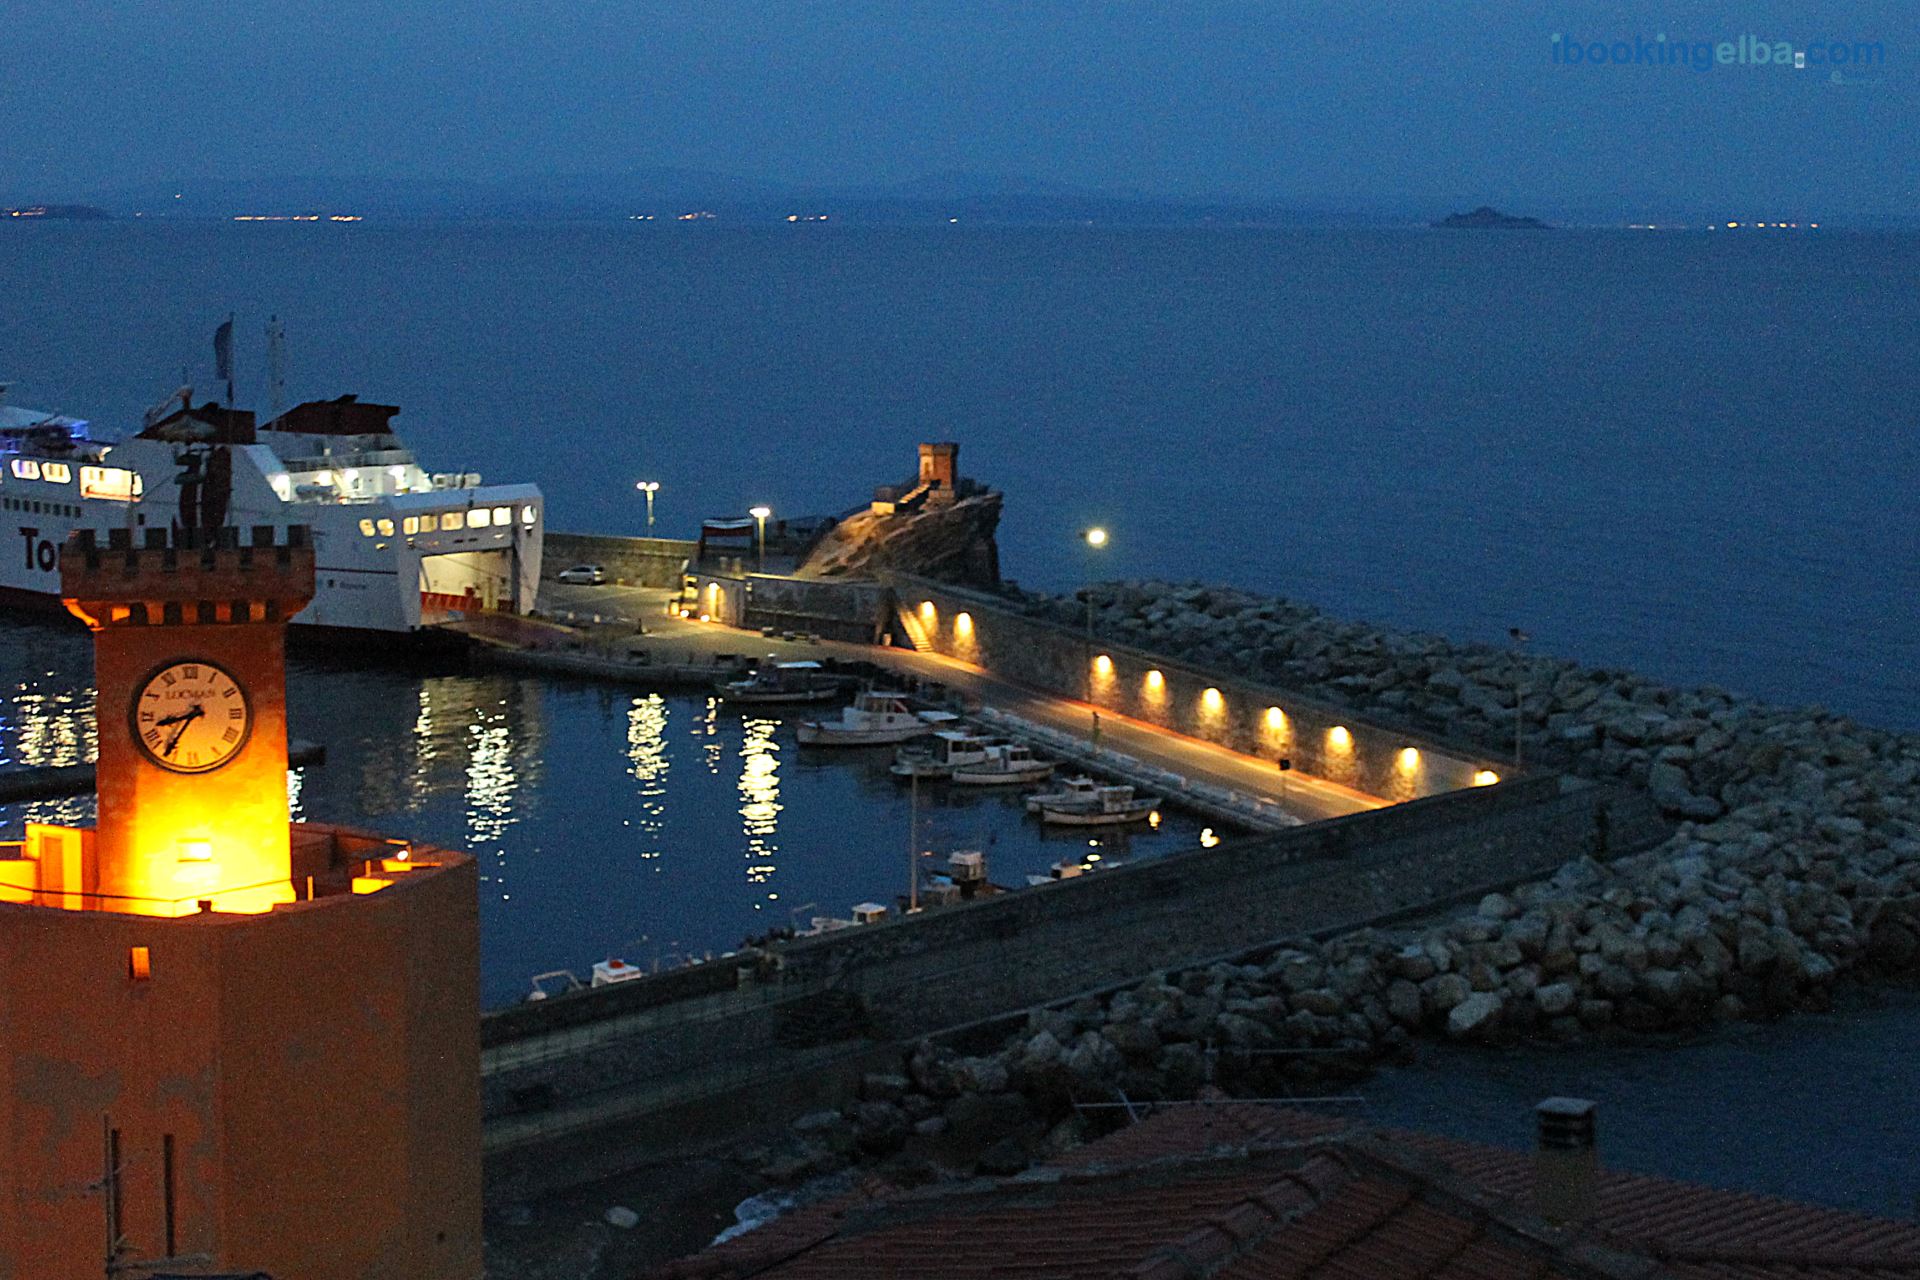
(649, 487)
(1095, 538)
(760, 515)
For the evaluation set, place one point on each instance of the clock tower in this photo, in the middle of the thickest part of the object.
(189, 653)
(229, 1044)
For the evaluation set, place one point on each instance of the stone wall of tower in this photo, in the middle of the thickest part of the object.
(314, 1072)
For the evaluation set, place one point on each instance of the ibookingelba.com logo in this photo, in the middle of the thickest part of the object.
(1705, 55)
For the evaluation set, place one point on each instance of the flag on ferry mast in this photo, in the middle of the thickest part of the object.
(223, 355)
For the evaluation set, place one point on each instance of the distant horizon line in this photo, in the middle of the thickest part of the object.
(673, 191)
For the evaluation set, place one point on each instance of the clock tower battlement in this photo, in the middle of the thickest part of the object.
(186, 577)
(189, 660)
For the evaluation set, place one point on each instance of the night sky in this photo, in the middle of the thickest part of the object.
(1333, 104)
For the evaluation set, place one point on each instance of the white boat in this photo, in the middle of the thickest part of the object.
(876, 717)
(1109, 806)
(944, 751)
(398, 549)
(613, 969)
(1005, 765)
(785, 682)
(1065, 869)
(1081, 789)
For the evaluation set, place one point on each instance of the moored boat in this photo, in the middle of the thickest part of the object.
(785, 682)
(1080, 789)
(1109, 806)
(876, 717)
(1006, 764)
(944, 751)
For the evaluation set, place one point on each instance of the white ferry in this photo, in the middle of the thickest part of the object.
(398, 549)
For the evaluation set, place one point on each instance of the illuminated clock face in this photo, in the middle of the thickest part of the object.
(191, 716)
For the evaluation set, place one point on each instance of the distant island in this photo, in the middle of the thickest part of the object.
(65, 212)
(1489, 217)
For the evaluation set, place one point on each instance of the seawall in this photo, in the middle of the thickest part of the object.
(640, 562)
(578, 1063)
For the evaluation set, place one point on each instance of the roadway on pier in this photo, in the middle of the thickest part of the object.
(673, 639)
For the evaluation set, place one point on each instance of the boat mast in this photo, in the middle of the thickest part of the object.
(276, 366)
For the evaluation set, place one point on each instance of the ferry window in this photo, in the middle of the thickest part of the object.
(478, 518)
(386, 528)
(526, 515)
(112, 483)
(411, 525)
(58, 472)
(26, 468)
(502, 515)
(366, 528)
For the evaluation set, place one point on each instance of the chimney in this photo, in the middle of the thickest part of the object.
(1566, 1166)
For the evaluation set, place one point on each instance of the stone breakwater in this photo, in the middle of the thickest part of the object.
(1795, 865)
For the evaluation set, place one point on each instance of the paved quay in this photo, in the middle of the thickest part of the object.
(669, 639)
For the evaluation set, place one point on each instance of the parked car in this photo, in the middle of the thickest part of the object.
(583, 575)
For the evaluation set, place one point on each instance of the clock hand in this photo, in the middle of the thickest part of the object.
(186, 719)
(175, 718)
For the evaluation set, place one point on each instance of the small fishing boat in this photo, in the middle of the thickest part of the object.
(1109, 807)
(875, 718)
(1074, 868)
(785, 682)
(1082, 789)
(944, 751)
(1006, 764)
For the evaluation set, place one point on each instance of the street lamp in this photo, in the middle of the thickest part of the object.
(760, 515)
(649, 487)
(1095, 538)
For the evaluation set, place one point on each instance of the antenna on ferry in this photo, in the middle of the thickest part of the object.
(276, 365)
(183, 394)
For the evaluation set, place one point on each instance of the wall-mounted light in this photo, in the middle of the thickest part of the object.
(1485, 778)
(1212, 702)
(1103, 666)
(1339, 739)
(1408, 759)
(963, 624)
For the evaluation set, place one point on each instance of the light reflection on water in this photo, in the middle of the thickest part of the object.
(48, 721)
(760, 801)
(649, 762)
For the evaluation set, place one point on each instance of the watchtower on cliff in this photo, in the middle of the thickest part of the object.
(227, 1043)
(940, 472)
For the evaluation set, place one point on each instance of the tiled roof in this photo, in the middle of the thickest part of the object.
(1247, 1192)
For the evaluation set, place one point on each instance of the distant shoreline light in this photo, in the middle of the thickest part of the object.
(297, 217)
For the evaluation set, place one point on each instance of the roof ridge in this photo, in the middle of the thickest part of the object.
(1233, 1232)
(1578, 1250)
